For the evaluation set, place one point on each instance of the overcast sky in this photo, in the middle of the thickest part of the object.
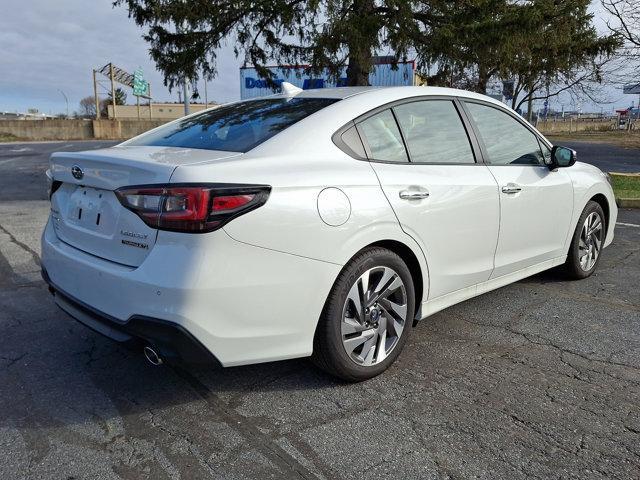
(52, 45)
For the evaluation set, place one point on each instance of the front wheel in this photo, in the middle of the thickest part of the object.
(587, 242)
(367, 317)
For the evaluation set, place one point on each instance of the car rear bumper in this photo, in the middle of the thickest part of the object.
(170, 340)
(243, 304)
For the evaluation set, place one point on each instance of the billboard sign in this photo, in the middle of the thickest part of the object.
(251, 85)
(631, 89)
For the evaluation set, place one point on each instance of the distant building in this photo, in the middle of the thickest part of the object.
(24, 116)
(383, 74)
(168, 111)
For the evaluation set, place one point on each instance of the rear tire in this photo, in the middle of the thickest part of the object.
(587, 242)
(367, 317)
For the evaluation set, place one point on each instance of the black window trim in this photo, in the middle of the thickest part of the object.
(512, 114)
(462, 114)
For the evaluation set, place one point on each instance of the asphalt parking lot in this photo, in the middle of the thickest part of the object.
(540, 379)
(609, 158)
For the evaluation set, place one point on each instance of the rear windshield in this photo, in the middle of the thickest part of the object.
(237, 127)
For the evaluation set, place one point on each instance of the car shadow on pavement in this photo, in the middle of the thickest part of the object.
(70, 375)
(554, 275)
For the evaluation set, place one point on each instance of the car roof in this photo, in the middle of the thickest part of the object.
(398, 92)
(337, 92)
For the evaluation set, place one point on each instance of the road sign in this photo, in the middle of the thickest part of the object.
(140, 85)
(631, 89)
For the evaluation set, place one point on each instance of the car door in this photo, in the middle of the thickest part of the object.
(536, 203)
(442, 197)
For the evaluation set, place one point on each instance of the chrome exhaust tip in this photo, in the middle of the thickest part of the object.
(152, 356)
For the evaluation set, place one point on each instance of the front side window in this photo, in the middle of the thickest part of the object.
(237, 127)
(380, 132)
(508, 142)
(434, 132)
(546, 152)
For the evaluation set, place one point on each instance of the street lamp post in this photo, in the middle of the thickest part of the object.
(66, 101)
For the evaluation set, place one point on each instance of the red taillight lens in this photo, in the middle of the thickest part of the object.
(192, 208)
(186, 209)
(230, 202)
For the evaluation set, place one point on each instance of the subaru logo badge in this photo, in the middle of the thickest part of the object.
(77, 172)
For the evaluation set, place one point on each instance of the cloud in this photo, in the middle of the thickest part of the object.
(46, 46)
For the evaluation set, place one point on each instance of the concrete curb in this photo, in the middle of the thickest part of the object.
(628, 202)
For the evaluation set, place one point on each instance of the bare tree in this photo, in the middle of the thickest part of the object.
(625, 22)
(583, 82)
(88, 107)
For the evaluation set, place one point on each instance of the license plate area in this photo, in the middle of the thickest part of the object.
(93, 220)
(92, 209)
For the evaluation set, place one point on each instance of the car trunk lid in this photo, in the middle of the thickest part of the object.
(85, 211)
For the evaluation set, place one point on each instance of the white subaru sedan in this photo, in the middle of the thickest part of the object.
(320, 223)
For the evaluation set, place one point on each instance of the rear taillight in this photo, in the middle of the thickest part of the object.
(189, 207)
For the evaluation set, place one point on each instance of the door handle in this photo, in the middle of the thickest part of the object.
(413, 194)
(511, 189)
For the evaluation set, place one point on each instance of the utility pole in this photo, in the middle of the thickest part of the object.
(113, 90)
(206, 98)
(66, 101)
(95, 95)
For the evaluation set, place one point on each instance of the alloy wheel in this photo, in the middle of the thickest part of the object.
(374, 316)
(590, 241)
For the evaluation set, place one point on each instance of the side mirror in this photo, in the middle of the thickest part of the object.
(562, 157)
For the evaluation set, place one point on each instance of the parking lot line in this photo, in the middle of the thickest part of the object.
(627, 224)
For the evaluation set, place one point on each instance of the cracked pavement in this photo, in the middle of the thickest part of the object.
(539, 379)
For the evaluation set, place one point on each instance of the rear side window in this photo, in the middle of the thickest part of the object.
(380, 133)
(508, 142)
(434, 132)
(352, 144)
(237, 127)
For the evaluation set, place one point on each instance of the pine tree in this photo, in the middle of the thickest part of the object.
(466, 42)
